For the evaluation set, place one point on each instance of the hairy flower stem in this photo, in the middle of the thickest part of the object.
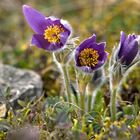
(112, 89)
(66, 82)
(63, 69)
(112, 99)
(82, 87)
(89, 102)
(82, 84)
(90, 89)
(82, 102)
(117, 73)
(113, 105)
(114, 79)
(113, 82)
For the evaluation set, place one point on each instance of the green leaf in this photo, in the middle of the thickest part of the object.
(22, 103)
(7, 92)
(128, 110)
(4, 126)
(62, 117)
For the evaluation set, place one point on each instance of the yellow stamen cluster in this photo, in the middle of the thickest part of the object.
(52, 33)
(88, 57)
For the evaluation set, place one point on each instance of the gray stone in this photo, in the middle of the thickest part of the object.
(23, 84)
(26, 133)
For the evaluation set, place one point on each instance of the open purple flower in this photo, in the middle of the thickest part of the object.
(128, 48)
(51, 33)
(90, 56)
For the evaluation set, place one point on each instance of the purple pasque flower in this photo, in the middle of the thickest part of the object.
(128, 48)
(51, 33)
(90, 56)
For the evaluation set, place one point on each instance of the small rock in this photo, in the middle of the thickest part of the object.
(2, 110)
(25, 133)
(23, 84)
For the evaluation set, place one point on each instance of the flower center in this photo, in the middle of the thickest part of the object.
(88, 57)
(52, 33)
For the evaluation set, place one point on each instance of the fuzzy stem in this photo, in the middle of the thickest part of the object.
(82, 98)
(66, 82)
(82, 83)
(82, 89)
(113, 105)
(112, 96)
(114, 85)
(112, 91)
(90, 89)
(82, 103)
(89, 102)
(64, 72)
(114, 80)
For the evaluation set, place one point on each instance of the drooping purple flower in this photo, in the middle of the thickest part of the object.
(51, 33)
(90, 56)
(128, 48)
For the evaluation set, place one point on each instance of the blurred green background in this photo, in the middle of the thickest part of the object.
(106, 18)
